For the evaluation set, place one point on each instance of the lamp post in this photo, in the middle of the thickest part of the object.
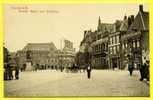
(61, 62)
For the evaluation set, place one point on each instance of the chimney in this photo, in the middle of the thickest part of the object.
(141, 8)
(125, 17)
(132, 18)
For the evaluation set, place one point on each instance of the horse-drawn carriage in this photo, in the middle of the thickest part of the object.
(74, 68)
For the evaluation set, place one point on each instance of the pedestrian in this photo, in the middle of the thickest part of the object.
(10, 72)
(5, 71)
(147, 70)
(24, 67)
(16, 72)
(88, 71)
(141, 69)
(144, 71)
(130, 68)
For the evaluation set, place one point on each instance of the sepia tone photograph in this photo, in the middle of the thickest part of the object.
(76, 50)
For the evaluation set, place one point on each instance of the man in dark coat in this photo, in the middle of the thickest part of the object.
(141, 69)
(5, 71)
(144, 71)
(10, 72)
(16, 72)
(147, 71)
(88, 71)
(130, 68)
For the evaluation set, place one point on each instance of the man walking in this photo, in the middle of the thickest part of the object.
(144, 71)
(17, 72)
(10, 71)
(130, 68)
(88, 71)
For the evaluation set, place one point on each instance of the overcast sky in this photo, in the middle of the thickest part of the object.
(50, 23)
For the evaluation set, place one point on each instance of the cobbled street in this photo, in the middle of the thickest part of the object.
(55, 83)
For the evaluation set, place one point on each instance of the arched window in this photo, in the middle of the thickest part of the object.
(114, 49)
(134, 44)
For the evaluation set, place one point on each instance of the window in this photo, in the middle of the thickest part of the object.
(110, 50)
(133, 44)
(118, 48)
(104, 47)
(110, 40)
(117, 39)
(101, 47)
(138, 43)
(123, 46)
(96, 48)
(130, 49)
(99, 36)
(114, 49)
(114, 40)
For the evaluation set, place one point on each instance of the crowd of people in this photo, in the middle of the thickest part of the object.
(143, 69)
(11, 72)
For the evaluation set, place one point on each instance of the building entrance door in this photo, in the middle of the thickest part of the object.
(114, 63)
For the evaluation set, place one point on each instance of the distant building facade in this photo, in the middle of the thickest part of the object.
(66, 55)
(42, 55)
(47, 56)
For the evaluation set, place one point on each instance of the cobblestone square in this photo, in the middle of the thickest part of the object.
(50, 83)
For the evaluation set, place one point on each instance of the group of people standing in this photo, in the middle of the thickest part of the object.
(11, 72)
(144, 70)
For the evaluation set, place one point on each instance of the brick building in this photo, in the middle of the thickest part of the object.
(114, 46)
(117, 44)
(135, 41)
(100, 45)
(86, 46)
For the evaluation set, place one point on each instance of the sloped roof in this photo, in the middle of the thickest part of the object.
(40, 46)
(141, 21)
(107, 27)
(124, 25)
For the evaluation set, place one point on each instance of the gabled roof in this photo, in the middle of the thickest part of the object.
(106, 27)
(141, 21)
(40, 46)
(124, 25)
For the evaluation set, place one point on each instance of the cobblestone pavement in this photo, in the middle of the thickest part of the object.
(53, 83)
